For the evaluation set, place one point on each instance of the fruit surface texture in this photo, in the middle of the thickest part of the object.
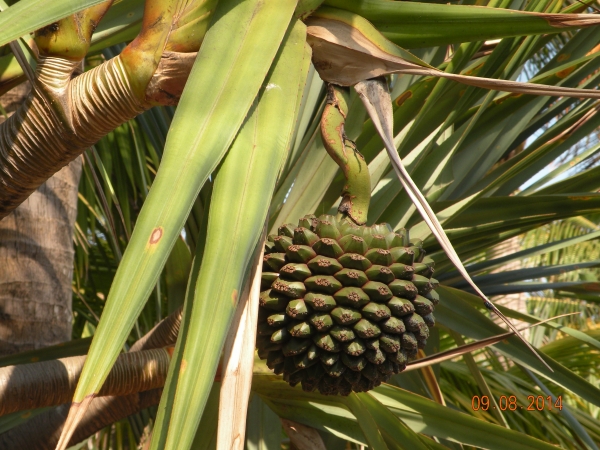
(343, 307)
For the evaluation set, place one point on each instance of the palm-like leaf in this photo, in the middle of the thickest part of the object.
(468, 150)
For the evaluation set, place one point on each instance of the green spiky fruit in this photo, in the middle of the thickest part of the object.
(343, 307)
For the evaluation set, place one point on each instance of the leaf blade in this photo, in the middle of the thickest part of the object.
(238, 210)
(29, 15)
(227, 75)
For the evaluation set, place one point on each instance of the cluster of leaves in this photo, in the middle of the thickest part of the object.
(470, 151)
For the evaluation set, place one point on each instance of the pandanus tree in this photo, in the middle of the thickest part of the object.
(246, 151)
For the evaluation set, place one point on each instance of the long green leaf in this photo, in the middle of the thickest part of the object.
(428, 417)
(366, 421)
(523, 254)
(72, 348)
(159, 434)
(230, 67)
(420, 24)
(419, 413)
(27, 16)
(206, 435)
(263, 428)
(492, 215)
(122, 22)
(568, 165)
(457, 310)
(325, 413)
(390, 426)
(376, 98)
(570, 286)
(565, 411)
(243, 186)
(528, 273)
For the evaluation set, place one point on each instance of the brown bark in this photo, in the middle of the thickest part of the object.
(36, 259)
(163, 334)
(58, 121)
(66, 113)
(43, 431)
(64, 116)
(52, 383)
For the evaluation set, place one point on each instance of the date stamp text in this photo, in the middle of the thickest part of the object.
(510, 403)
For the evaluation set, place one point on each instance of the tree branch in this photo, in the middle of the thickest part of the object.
(43, 431)
(65, 114)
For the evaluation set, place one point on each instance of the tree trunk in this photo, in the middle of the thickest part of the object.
(36, 259)
(67, 112)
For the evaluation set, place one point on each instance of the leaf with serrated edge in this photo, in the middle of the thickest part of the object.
(227, 76)
(376, 98)
(240, 203)
(347, 49)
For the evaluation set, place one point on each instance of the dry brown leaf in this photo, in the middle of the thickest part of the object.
(345, 55)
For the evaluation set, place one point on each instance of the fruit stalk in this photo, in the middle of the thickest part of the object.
(356, 193)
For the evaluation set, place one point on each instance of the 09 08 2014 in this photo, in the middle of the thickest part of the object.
(510, 403)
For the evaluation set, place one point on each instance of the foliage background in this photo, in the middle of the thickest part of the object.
(515, 180)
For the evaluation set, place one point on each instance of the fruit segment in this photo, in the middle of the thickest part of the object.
(343, 307)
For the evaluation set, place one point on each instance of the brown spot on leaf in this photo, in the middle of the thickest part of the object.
(156, 235)
(566, 72)
(402, 98)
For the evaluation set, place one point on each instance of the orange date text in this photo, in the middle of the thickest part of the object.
(510, 403)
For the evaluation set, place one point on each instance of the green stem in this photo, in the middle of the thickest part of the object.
(356, 193)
